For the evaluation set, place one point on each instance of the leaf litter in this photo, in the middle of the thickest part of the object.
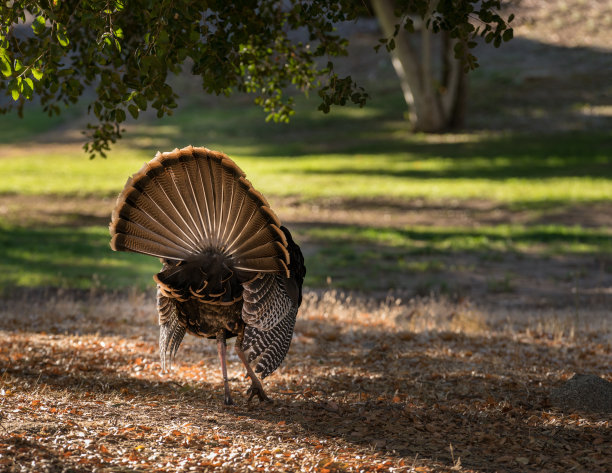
(393, 385)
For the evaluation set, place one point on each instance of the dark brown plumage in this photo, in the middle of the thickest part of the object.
(229, 268)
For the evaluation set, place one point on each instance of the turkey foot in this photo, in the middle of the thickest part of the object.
(256, 389)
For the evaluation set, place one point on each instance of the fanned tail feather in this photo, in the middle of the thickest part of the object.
(219, 242)
(194, 202)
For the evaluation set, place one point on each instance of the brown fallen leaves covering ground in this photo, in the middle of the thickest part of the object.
(398, 386)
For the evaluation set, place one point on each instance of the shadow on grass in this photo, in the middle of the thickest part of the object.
(504, 98)
(359, 257)
(495, 158)
(69, 257)
(484, 155)
(453, 260)
(447, 240)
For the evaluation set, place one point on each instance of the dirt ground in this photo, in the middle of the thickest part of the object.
(429, 385)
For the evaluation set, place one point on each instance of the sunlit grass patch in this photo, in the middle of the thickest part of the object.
(519, 170)
(309, 177)
(67, 171)
(352, 183)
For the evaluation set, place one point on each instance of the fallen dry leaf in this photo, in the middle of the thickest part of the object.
(90, 397)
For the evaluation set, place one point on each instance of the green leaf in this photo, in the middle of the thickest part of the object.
(37, 73)
(13, 86)
(62, 38)
(17, 66)
(38, 25)
(5, 63)
(120, 115)
(141, 101)
(27, 88)
(133, 109)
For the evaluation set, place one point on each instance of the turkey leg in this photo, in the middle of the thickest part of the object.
(221, 348)
(256, 388)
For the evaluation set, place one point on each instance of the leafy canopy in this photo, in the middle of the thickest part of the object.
(125, 50)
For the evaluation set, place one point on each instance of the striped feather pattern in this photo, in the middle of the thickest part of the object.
(172, 330)
(266, 301)
(269, 348)
(229, 267)
(187, 201)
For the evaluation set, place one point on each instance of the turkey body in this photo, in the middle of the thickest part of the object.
(229, 269)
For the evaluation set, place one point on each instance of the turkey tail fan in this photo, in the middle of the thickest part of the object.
(194, 201)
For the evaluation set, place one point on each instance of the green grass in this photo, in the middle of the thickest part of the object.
(351, 154)
(49, 172)
(546, 239)
(366, 258)
(69, 257)
(349, 255)
(423, 170)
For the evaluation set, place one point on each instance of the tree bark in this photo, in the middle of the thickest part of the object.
(454, 100)
(434, 104)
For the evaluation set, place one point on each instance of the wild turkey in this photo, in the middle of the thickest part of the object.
(229, 268)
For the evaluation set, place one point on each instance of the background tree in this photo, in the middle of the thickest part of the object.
(126, 51)
(434, 87)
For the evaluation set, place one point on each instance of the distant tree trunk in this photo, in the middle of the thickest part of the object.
(435, 104)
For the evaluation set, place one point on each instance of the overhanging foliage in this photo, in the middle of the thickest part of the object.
(126, 50)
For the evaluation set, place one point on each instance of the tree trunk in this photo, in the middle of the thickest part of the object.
(434, 104)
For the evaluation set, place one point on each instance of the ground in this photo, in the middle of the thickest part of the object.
(432, 385)
(454, 281)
